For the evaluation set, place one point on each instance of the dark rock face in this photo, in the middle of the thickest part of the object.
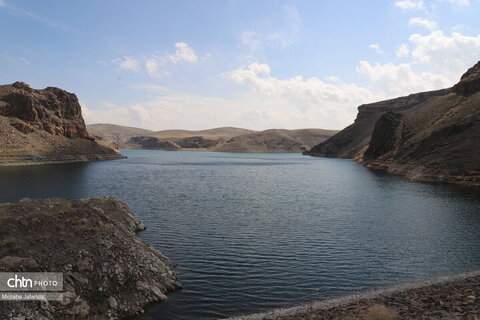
(385, 136)
(349, 143)
(154, 143)
(428, 136)
(52, 109)
(108, 272)
(198, 142)
(469, 82)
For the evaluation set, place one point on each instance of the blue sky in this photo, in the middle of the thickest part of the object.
(253, 64)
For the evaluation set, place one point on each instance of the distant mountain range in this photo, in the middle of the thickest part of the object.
(428, 136)
(225, 139)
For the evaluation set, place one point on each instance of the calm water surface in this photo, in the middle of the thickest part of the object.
(252, 232)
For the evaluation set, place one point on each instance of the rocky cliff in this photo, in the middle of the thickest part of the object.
(43, 126)
(108, 272)
(434, 138)
(352, 142)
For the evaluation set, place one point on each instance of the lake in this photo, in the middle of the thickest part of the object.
(251, 232)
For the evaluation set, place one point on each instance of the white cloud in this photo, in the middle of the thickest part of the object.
(129, 64)
(133, 115)
(397, 80)
(443, 59)
(460, 2)
(409, 4)
(424, 23)
(259, 68)
(156, 64)
(324, 103)
(264, 102)
(376, 47)
(151, 66)
(183, 53)
(450, 55)
(402, 50)
(3, 3)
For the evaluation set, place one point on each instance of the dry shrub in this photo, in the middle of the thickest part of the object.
(379, 312)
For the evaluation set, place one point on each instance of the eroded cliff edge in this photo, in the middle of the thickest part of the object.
(429, 136)
(109, 273)
(43, 126)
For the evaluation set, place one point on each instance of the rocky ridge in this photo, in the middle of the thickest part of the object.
(109, 273)
(432, 136)
(352, 142)
(38, 126)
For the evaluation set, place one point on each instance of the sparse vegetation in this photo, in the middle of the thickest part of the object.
(379, 312)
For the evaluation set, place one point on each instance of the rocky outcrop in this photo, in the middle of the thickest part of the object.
(353, 141)
(435, 141)
(386, 135)
(44, 124)
(52, 109)
(153, 143)
(276, 140)
(109, 273)
(198, 142)
(469, 82)
(432, 137)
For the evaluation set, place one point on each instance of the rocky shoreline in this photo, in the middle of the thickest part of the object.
(38, 160)
(108, 272)
(446, 297)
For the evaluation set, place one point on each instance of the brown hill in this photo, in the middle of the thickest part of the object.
(276, 140)
(212, 134)
(38, 126)
(133, 138)
(116, 133)
(435, 139)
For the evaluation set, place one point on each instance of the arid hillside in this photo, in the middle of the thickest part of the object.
(430, 136)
